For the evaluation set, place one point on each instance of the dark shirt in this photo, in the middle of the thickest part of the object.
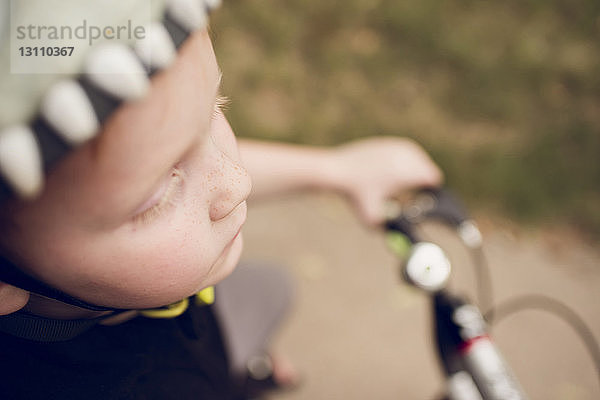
(180, 358)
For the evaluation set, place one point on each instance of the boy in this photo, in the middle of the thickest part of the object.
(147, 213)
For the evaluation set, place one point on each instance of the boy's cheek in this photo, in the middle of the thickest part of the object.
(165, 266)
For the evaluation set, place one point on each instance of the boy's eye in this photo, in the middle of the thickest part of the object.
(164, 197)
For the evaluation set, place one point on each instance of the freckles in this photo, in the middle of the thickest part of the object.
(193, 244)
(194, 213)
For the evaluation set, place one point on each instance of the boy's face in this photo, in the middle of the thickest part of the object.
(150, 211)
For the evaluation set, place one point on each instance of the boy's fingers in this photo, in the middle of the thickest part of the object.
(371, 208)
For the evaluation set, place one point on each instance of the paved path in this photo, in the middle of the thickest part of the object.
(356, 333)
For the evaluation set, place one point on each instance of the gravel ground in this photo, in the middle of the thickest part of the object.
(356, 332)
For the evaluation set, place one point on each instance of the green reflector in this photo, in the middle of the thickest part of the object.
(398, 244)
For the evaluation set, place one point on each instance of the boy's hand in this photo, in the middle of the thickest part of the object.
(371, 171)
(368, 171)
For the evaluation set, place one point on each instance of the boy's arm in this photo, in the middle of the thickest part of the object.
(367, 171)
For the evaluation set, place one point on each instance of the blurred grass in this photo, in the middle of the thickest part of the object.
(504, 95)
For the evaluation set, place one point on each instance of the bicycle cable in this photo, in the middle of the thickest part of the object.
(483, 283)
(484, 287)
(535, 302)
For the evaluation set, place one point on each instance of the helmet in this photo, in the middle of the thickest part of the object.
(64, 100)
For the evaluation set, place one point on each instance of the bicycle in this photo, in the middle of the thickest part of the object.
(472, 364)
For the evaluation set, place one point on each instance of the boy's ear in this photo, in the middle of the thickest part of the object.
(12, 299)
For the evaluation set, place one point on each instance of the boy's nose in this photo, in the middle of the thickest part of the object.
(230, 186)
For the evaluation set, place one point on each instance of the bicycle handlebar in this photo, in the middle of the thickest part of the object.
(473, 365)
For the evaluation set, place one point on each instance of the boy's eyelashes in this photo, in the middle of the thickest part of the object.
(221, 104)
(162, 199)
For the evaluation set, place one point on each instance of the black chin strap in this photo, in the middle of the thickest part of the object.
(11, 274)
(40, 329)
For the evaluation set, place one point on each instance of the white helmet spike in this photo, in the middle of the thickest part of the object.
(189, 14)
(68, 110)
(20, 160)
(115, 69)
(212, 5)
(156, 50)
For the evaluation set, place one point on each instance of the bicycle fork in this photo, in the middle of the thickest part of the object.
(471, 361)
